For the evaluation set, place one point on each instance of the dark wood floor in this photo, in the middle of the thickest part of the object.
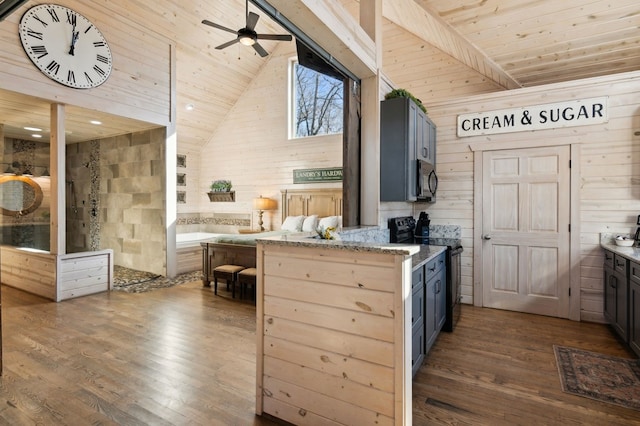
(184, 356)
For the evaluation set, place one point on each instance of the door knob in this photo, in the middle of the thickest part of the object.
(486, 237)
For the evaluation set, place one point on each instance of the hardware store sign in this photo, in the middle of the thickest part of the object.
(580, 112)
(317, 175)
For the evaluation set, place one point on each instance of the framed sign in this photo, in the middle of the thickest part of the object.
(333, 174)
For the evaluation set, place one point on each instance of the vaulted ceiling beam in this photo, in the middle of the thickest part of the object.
(418, 19)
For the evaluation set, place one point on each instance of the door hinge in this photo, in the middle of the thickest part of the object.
(569, 291)
(569, 163)
(569, 227)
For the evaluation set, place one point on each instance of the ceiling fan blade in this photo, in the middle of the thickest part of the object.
(220, 27)
(252, 20)
(227, 44)
(259, 49)
(280, 37)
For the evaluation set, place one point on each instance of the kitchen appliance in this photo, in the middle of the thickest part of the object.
(402, 230)
(421, 233)
(427, 182)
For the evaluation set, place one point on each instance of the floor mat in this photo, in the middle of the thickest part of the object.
(600, 377)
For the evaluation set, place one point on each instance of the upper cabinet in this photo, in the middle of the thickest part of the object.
(425, 137)
(406, 135)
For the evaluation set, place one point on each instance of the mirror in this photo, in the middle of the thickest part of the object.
(19, 195)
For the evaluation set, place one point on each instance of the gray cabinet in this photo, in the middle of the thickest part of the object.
(435, 298)
(634, 307)
(616, 293)
(417, 319)
(428, 312)
(406, 135)
(426, 138)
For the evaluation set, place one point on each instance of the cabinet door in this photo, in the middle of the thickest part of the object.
(610, 284)
(417, 305)
(441, 299)
(430, 140)
(398, 165)
(430, 332)
(634, 316)
(417, 352)
(422, 136)
(621, 318)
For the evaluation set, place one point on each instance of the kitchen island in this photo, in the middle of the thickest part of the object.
(334, 330)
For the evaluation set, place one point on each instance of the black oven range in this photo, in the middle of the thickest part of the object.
(401, 230)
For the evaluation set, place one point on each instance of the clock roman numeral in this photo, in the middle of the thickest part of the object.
(54, 15)
(99, 44)
(99, 70)
(34, 34)
(102, 59)
(88, 78)
(88, 28)
(41, 51)
(37, 18)
(71, 18)
(71, 78)
(53, 67)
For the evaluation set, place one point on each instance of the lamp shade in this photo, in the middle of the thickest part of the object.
(261, 203)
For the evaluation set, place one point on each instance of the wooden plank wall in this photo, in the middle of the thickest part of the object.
(609, 187)
(252, 149)
(85, 273)
(331, 337)
(29, 271)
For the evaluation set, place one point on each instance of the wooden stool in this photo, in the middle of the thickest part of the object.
(229, 273)
(246, 279)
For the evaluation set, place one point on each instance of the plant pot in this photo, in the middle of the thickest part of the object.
(222, 196)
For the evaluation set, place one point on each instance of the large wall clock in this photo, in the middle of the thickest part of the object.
(65, 46)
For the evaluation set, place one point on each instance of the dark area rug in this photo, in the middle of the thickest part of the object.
(134, 281)
(600, 377)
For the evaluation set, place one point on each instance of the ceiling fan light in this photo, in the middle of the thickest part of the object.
(247, 40)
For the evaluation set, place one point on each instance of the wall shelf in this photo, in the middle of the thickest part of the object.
(222, 196)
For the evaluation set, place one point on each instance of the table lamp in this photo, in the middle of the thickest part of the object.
(261, 204)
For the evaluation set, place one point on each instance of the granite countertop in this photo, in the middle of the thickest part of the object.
(420, 253)
(607, 242)
(307, 240)
(425, 254)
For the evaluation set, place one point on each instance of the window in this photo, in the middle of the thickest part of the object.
(316, 102)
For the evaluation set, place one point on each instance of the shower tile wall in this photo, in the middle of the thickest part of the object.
(120, 199)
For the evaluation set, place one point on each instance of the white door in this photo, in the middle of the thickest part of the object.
(525, 215)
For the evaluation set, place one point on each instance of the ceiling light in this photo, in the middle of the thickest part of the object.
(189, 107)
(247, 40)
(32, 129)
(95, 122)
(36, 135)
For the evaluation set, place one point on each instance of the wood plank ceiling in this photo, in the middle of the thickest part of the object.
(439, 49)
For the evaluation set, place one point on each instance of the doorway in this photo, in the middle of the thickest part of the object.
(525, 230)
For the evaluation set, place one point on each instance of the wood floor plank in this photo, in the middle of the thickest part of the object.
(185, 356)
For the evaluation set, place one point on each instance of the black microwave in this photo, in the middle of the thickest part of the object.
(427, 182)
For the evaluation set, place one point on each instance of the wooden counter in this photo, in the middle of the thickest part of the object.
(334, 331)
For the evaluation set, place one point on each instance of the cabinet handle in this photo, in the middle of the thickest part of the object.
(432, 269)
(438, 286)
(425, 151)
(613, 281)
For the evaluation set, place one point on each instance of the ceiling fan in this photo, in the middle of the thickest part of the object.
(247, 35)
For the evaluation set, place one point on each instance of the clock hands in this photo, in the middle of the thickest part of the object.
(74, 39)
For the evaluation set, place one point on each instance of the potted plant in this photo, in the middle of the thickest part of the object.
(220, 186)
(220, 190)
(404, 93)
